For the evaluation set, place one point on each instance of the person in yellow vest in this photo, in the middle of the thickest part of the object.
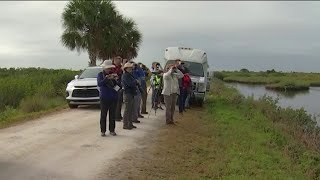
(156, 84)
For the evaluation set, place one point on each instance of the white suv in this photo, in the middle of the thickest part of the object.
(83, 90)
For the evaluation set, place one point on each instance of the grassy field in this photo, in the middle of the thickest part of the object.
(29, 92)
(232, 138)
(273, 80)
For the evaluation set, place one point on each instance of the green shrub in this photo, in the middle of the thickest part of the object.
(7, 113)
(218, 75)
(39, 103)
(46, 89)
(17, 84)
(34, 104)
(244, 70)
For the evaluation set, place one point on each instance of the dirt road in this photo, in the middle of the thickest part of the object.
(67, 145)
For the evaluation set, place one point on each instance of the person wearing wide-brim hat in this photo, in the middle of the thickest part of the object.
(129, 83)
(107, 81)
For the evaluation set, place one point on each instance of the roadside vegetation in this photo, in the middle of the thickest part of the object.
(28, 92)
(293, 81)
(232, 138)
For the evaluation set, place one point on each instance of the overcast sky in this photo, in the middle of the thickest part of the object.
(255, 35)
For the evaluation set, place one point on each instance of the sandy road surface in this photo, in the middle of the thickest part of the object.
(67, 145)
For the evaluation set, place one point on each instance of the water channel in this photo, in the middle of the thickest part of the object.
(309, 100)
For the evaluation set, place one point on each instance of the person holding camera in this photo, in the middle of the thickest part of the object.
(129, 84)
(171, 90)
(156, 84)
(139, 76)
(107, 82)
(183, 85)
(117, 60)
(144, 87)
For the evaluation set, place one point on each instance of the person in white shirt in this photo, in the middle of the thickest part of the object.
(171, 90)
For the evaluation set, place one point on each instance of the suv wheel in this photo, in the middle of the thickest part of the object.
(73, 106)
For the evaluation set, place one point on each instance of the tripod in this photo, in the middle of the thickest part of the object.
(155, 102)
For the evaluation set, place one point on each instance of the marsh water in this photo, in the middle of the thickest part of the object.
(309, 100)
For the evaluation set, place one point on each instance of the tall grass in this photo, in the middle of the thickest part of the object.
(294, 131)
(233, 137)
(25, 90)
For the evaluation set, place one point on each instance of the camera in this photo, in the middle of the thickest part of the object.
(157, 66)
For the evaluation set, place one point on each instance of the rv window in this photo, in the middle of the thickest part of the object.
(195, 69)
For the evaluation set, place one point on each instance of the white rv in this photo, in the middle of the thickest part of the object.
(196, 61)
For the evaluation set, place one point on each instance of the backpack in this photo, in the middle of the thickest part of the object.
(186, 81)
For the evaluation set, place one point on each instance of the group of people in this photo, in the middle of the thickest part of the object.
(171, 86)
(123, 81)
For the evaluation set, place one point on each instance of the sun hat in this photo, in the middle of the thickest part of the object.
(127, 65)
(107, 64)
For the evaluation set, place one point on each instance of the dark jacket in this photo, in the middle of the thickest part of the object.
(129, 84)
(119, 72)
(106, 87)
(180, 67)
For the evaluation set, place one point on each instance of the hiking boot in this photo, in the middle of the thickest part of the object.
(103, 134)
(113, 133)
(133, 126)
(137, 121)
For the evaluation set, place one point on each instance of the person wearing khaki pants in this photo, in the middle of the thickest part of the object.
(130, 91)
(170, 107)
(171, 90)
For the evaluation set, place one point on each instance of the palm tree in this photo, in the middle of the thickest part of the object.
(132, 39)
(122, 39)
(85, 23)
